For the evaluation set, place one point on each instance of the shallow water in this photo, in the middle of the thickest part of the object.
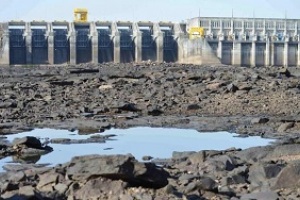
(141, 141)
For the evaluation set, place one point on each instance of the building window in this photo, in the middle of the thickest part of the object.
(270, 25)
(248, 25)
(280, 25)
(227, 24)
(237, 24)
(259, 24)
(215, 24)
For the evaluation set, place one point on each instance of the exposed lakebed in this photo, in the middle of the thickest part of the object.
(140, 141)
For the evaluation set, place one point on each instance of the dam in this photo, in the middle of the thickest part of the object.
(229, 41)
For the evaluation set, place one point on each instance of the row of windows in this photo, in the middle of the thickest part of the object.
(249, 24)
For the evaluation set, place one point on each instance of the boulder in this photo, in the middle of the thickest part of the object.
(117, 167)
(285, 126)
(100, 188)
(268, 195)
(28, 141)
(289, 177)
(259, 120)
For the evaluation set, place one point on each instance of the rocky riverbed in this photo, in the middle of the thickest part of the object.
(249, 101)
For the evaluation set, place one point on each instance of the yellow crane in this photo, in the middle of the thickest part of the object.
(80, 15)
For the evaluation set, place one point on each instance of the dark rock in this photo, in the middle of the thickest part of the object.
(289, 177)
(129, 107)
(228, 161)
(193, 107)
(205, 183)
(260, 173)
(259, 120)
(118, 167)
(28, 141)
(147, 158)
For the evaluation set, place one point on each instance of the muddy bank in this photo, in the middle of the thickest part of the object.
(249, 101)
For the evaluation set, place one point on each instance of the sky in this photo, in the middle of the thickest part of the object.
(146, 10)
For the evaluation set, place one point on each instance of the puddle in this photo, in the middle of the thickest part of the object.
(141, 141)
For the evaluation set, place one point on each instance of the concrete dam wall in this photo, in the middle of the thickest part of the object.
(232, 41)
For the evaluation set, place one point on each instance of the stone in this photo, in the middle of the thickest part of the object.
(259, 120)
(100, 189)
(197, 158)
(204, 183)
(61, 188)
(47, 178)
(259, 174)
(268, 195)
(28, 141)
(117, 167)
(289, 177)
(27, 191)
(285, 126)
(232, 88)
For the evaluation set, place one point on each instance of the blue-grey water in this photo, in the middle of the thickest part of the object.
(156, 142)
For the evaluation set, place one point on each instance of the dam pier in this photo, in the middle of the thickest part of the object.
(230, 41)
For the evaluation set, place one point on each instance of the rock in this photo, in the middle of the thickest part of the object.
(105, 87)
(214, 86)
(205, 183)
(285, 126)
(228, 161)
(47, 178)
(260, 174)
(27, 191)
(268, 195)
(193, 107)
(176, 155)
(100, 188)
(28, 141)
(12, 176)
(129, 107)
(232, 88)
(147, 158)
(118, 167)
(259, 120)
(197, 158)
(61, 188)
(237, 175)
(289, 177)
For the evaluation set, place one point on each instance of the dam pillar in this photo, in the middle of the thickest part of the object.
(117, 48)
(298, 54)
(72, 39)
(253, 54)
(95, 46)
(50, 45)
(180, 39)
(286, 54)
(160, 47)
(159, 41)
(220, 47)
(138, 45)
(236, 58)
(28, 43)
(268, 53)
(4, 45)
(272, 53)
